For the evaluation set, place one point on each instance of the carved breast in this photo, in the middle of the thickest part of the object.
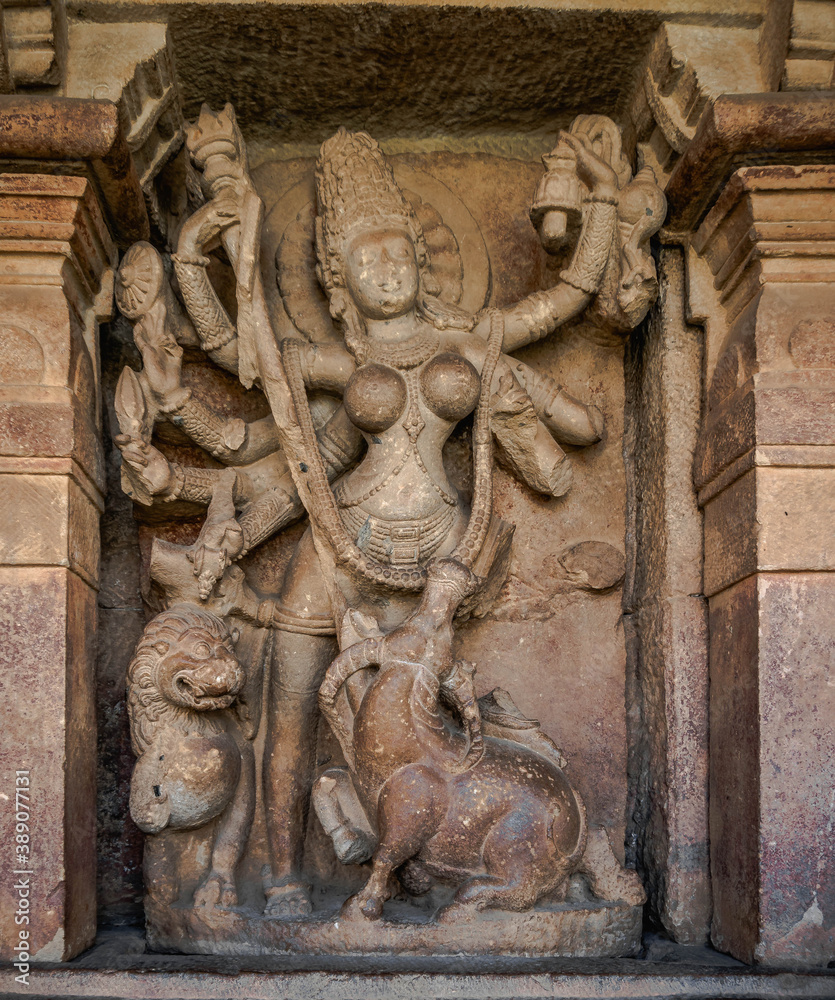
(450, 386)
(376, 394)
(375, 397)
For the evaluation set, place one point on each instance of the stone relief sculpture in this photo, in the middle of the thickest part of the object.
(438, 784)
(426, 784)
(194, 763)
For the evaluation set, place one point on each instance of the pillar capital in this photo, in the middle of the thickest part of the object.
(77, 137)
(56, 260)
(55, 225)
(738, 130)
(770, 370)
(770, 223)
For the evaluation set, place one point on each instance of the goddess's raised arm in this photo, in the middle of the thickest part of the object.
(231, 217)
(588, 177)
(216, 331)
(539, 314)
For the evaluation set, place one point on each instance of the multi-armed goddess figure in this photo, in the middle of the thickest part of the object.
(410, 367)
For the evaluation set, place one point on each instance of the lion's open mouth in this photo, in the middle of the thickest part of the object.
(213, 686)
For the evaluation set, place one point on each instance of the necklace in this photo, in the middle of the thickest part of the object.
(405, 354)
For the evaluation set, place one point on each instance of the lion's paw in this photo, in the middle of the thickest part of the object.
(216, 892)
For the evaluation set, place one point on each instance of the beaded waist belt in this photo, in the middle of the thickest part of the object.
(398, 543)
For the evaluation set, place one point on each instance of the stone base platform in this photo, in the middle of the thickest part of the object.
(580, 930)
(118, 966)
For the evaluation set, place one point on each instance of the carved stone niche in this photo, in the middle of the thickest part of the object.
(396, 726)
(403, 564)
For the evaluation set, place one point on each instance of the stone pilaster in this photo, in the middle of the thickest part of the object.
(666, 616)
(56, 259)
(765, 471)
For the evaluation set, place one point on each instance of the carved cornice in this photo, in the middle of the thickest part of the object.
(58, 218)
(679, 79)
(766, 212)
(747, 130)
(76, 134)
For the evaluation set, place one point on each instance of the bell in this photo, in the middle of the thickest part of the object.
(557, 205)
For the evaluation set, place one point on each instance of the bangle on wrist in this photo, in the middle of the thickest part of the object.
(603, 197)
(175, 400)
(264, 614)
(195, 259)
(177, 481)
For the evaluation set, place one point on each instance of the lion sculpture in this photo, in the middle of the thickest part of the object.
(194, 764)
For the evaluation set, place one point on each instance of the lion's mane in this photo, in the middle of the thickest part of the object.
(148, 709)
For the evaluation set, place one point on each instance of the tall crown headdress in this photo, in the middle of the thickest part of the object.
(356, 191)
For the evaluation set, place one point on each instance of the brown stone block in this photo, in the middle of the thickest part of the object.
(770, 519)
(797, 768)
(48, 619)
(731, 534)
(796, 517)
(766, 205)
(785, 408)
(729, 432)
(49, 520)
(667, 671)
(36, 520)
(734, 769)
(34, 339)
(41, 421)
(768, 245)
(741, 128)
(45, 128)
(120, 966)
(87, 446)
(798, 414)
(663, 372)
(37, 422)
(80, 770)
(773, 768)
(56, 249)
(84, 540)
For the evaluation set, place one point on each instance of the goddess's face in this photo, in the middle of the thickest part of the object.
(381, 273)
